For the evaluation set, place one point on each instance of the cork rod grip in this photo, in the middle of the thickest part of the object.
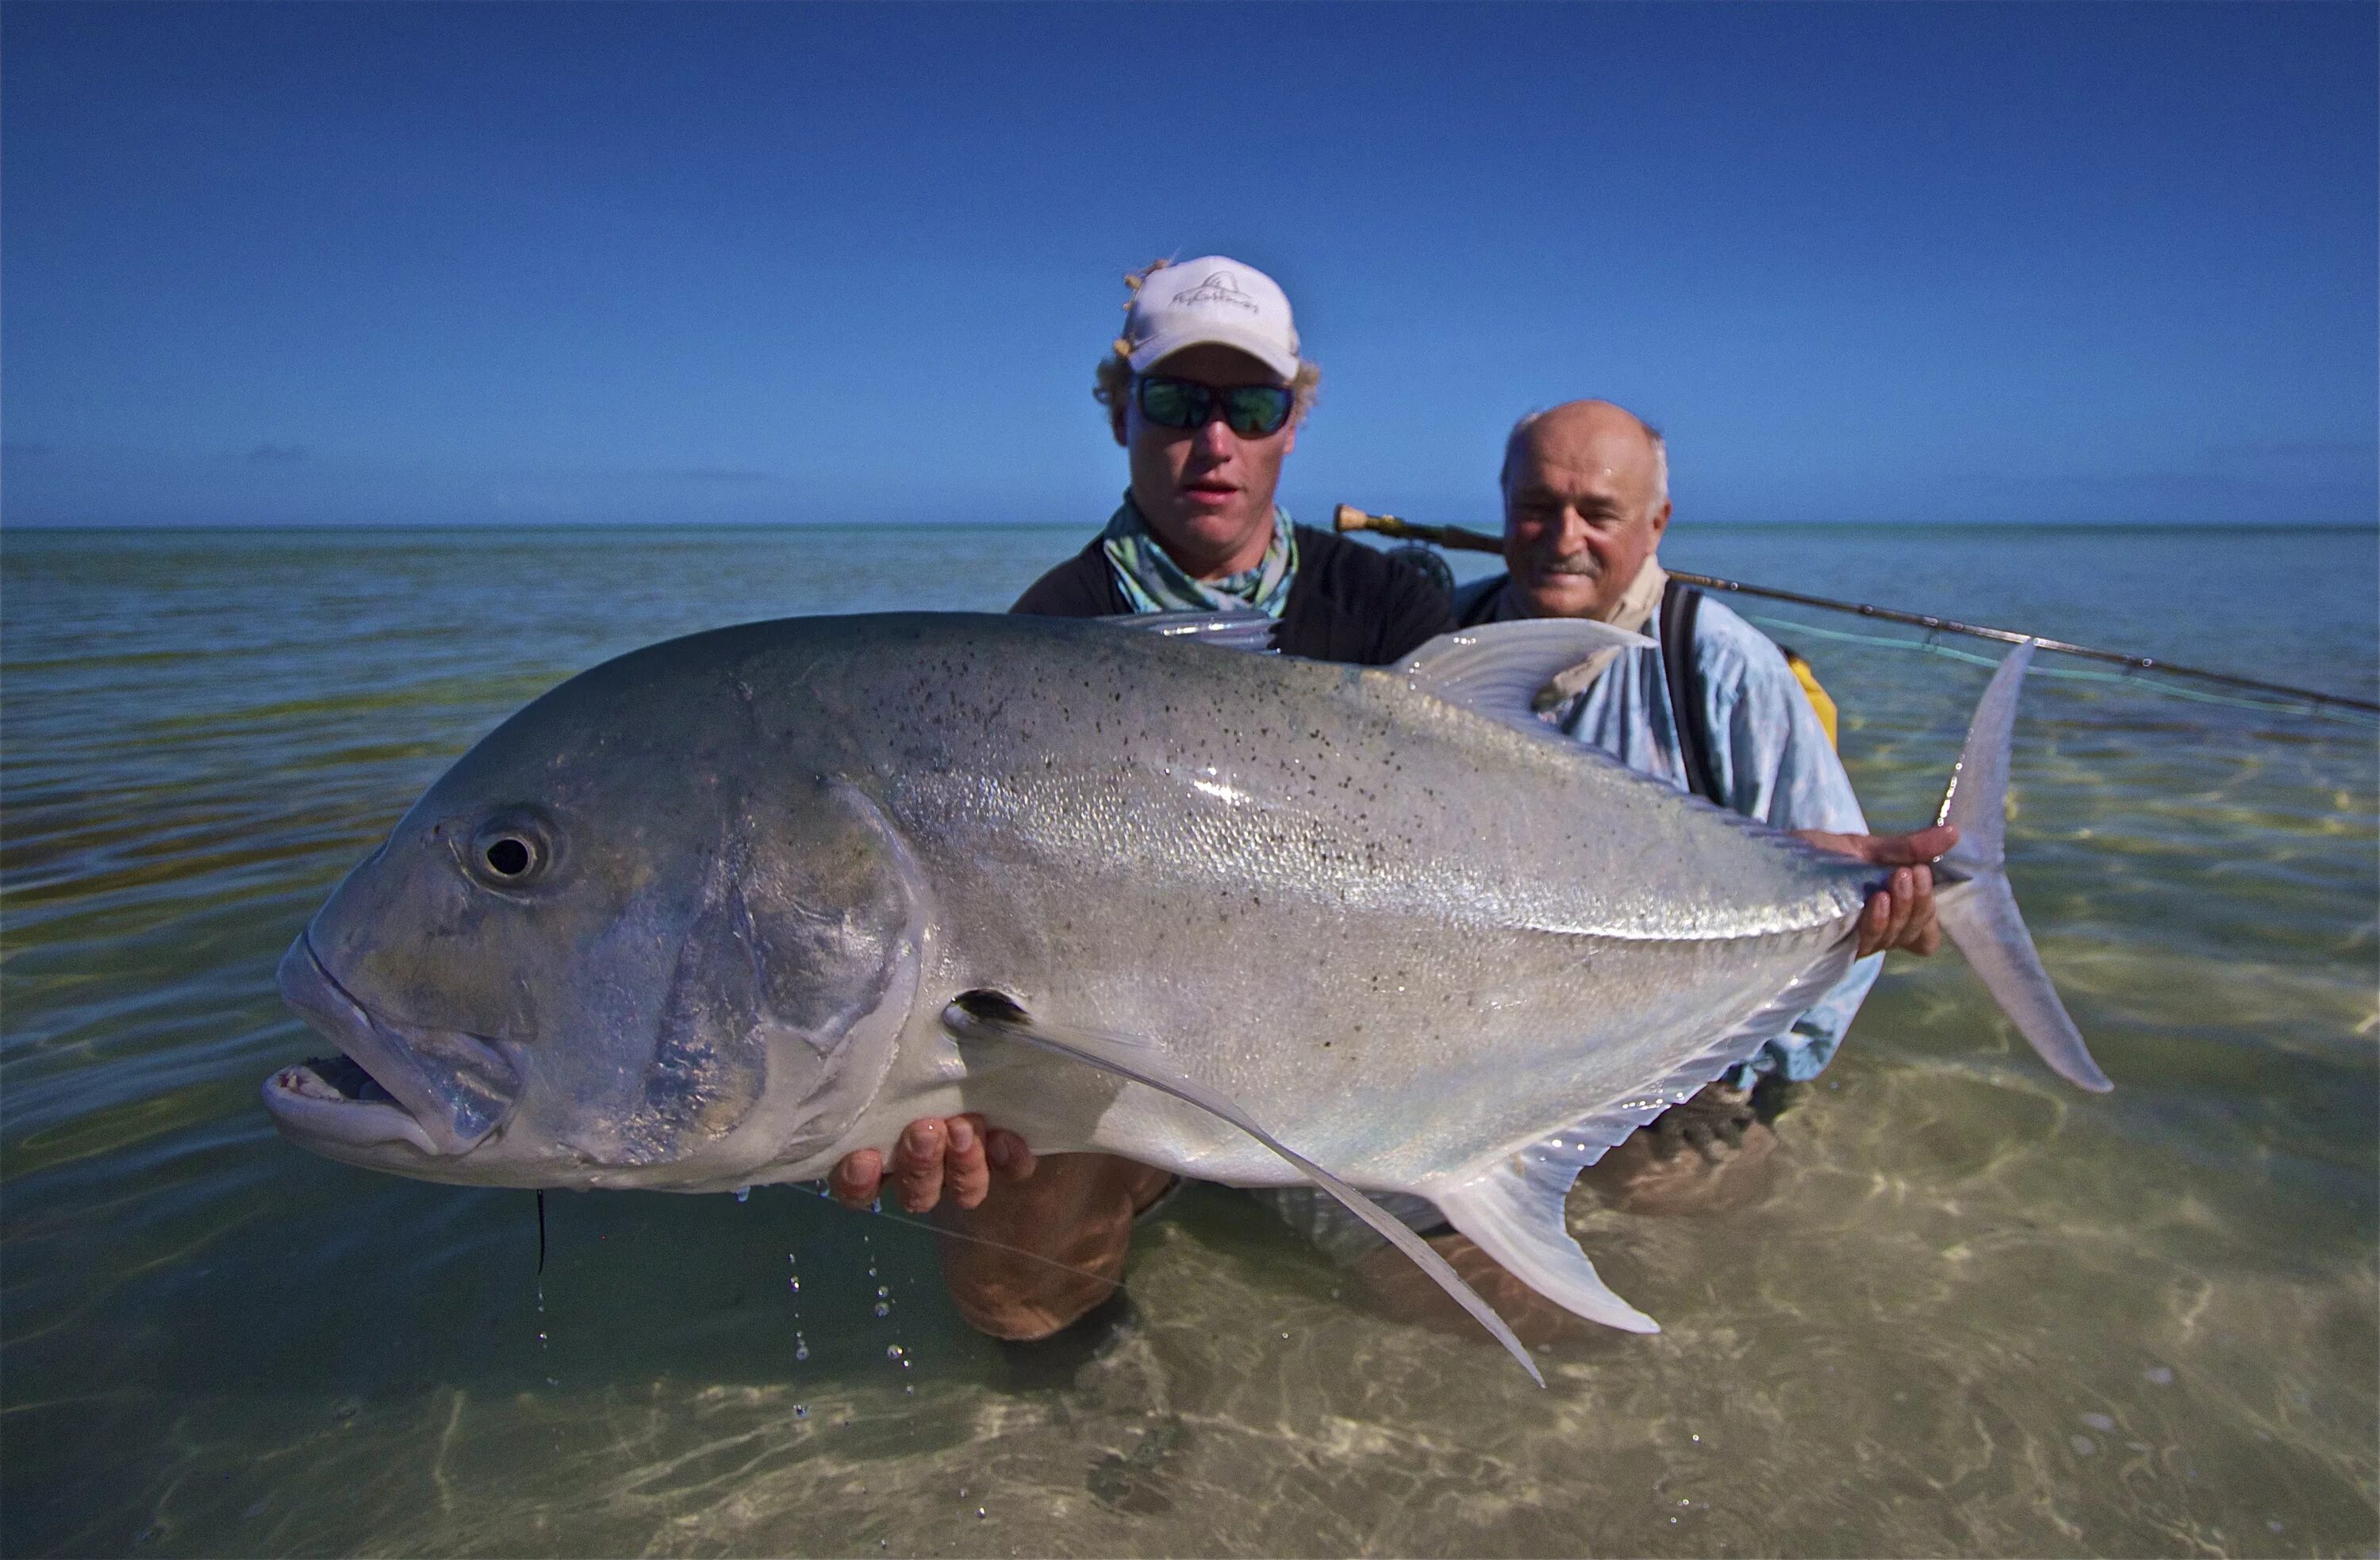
(1347, 517)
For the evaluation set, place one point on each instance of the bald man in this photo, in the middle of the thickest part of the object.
(1586, 501)
(1714, 709)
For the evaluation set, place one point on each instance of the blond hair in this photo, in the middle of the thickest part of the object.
(1111, 382)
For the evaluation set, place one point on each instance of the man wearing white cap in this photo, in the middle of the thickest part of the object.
(1204, 391)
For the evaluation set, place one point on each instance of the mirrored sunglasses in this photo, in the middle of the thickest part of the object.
(1250, 411)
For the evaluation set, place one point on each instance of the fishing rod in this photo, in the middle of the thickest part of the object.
(1348, 518)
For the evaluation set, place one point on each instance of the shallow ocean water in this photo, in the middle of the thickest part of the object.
(1974, 1312)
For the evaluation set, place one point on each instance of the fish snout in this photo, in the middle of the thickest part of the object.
(439, 1092)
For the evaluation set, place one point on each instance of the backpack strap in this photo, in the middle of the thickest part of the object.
(1682, 668)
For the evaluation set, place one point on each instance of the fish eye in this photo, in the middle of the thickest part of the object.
(509, 852)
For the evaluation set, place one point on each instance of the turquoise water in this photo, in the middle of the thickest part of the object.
(1975, 1311)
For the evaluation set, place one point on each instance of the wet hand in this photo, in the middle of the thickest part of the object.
(1900, 915)
(955, 1155)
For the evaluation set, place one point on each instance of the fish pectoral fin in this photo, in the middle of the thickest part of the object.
(986, 1015)
(1515, 1214)
(1227, 631)
(1496, 669)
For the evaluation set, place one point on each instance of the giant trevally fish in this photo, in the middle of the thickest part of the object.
(723, 910)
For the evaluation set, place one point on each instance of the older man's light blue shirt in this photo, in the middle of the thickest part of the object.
(1773, 763)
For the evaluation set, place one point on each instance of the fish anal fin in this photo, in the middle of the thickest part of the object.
(1513, 1210)
(1515, 1214)
(989, 1015)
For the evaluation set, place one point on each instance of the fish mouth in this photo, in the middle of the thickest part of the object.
(439, 1092)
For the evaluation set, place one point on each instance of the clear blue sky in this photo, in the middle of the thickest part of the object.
(484, 264)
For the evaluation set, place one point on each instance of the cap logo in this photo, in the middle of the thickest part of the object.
(1220, 286)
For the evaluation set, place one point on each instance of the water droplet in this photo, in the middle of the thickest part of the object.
(2159, 1375)
(2100, 1422)
(908, 1392)
(743, 1195)
(2083, 1445)
(895, 1352)
(801, 1411)
(883, 1309)
(883, 1292)
(793, 1286)
(980, 1514)
(2272, 1526)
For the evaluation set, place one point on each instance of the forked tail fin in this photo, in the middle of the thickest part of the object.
(1980, 912)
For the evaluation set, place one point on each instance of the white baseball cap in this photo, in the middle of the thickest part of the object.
(1211, 299)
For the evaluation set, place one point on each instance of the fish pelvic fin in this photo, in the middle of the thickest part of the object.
(1496, 669)
(989, 1015)
(1980, 914)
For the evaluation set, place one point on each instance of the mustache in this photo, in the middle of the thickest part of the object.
(1586, 566)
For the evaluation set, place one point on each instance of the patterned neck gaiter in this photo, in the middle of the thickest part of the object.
(1153, 582)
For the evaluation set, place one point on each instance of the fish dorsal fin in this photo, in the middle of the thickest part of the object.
(1496, 669)
(988, 1015)
(1230, 631)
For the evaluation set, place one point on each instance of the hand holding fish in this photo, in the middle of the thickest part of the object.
(957, 1155)
(1901, 914)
